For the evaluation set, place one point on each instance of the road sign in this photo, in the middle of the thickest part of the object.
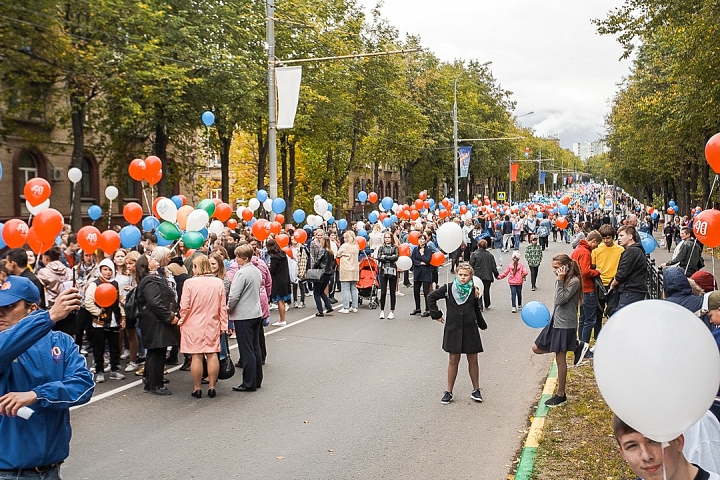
(500, 196)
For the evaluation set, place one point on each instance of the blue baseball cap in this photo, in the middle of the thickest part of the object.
(17, 288)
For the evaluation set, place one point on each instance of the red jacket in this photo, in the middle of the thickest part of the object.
(583, 256)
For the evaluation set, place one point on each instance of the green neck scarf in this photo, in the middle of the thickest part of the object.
(463, 291)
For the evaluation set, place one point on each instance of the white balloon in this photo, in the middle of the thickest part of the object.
(657, 367)
(239, 210)
(167, 210)
(449, 237)
(197, 220)
(267, 204)
(395, 207)
(111, 192)
(326, 216)
(404, 263)
(380, 207)
(310, 220)
(316, 198)
(74, 175)
(429, 217)
(39, 208)
(320, 206)
(360, 225)
(216, 227)
(254, 204)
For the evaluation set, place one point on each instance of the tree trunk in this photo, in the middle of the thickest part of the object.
(225, 143)
(77, 116)
(290, 198)
(328, 167)
(160, 150)
(376, 177)
(705, 182)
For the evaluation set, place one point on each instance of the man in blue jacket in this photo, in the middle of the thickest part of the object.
(42, 375)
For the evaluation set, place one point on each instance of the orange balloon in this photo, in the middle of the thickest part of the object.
(132, 212)
(422, 195)
(232, 223)
(280, 218)
(282, 240)
(105, 295)
(136, 169)
(88, 238)
(671, 211)
(109, 241)
(275, 228)
(561, 222)
(707, 227)
(426, 205)
(362, 243)
(261, 229)
(437, 259)
(413, 237)
(414, 214)
(183, 198)
(565, 200)
(155, 178)
(404, 250)
(48, 224)
(182, 216)
(38, 246)
(372, 197)
(712, 152)
(189, 252)
(153, 166)
(288, 251)
(444, 213)
(222, 212)
(247, 214)
(463, 209)
(300, 235)
(36, 191)
(418, 204)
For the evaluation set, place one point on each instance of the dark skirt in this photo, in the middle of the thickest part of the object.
(461, 334)
(556, 340)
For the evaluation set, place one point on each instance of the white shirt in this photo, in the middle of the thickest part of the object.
(702, 444)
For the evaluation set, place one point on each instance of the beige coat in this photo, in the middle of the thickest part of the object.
(349, 265)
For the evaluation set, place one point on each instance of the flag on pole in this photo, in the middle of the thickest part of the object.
(288, 93)
(542, 177)
(464, 160)
(570, 180)
(554, 178)
(514, 171)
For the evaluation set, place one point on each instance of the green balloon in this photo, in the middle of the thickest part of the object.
(193, 239)
(169, 231)
(207, 205)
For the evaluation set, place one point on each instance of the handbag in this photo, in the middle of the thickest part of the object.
(600, 289)
(227, 367)
(314, 274)
(389, 271)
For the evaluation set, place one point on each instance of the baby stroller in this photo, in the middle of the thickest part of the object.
(368, 284)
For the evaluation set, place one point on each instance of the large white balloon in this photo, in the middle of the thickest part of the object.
(360, 225)
(395, 207)
(253, 204)
(267, 204)
(657, 367)
(429, 217)
(316, 198)
(404, 263)
(197, 220)
(74, 175)
(39, 208)
(449, 236)
(320, 206)
(326, 216)
(167, 210)
(111, 192)
(216, 227)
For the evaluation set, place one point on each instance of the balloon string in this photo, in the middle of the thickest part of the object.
(711, 192)
(30, 220)
(142, 183)
(109, 214)
(663, 445)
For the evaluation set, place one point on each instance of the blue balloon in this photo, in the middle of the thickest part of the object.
(387, 221)
(672, 203)
(130, 236)
(362, 233)
(608, 202)
(204, 232)
(329, 207)
(637, 209)
(278, 205)
(94, 212)
(177, 200)
(394, 218)
(299, 215)
(654, 215)
(362, 196)
(308, 228)
(2, 242)
(162, 242)
(58, 239)
(535, 314)
(596, 205)
(251, 221)
(387, 203)
(208, 118)
(150, 223)
(648, 245)
(261, 195)
(331, 220)
(342, 224)
(372, 217)
(540, 215)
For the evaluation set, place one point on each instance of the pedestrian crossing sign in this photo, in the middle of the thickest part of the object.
(501, 196)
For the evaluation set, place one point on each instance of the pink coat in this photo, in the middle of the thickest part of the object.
(203, 313)
(517, 277)
(266, 286)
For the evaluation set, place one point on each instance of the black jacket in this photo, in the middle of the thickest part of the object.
(326, 262)
(688, 256)
(388, 255)
(31, 276)
(632, 270)
(158, 308)
(483, 263)
(280, 273)
(461, 333)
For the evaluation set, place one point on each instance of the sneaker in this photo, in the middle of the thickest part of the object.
(333, 300)
(589, 355)
(353, 310)
(279, 324)
(116, 375)
(83, 351)
(382, 314)
(343, 310)
(131, 367)
(391, 315)
(287, 307)
(273, 306)
(519, 306)
(447, 398)
(475, 395)
(125, 355)
(556, 401)
(107, 369)
(580, 352)
(487, 308)
(296, 305)
(233, 335)
(92, 369)
(400, 294)
(301, 305)
(100, 378)
(514, 310)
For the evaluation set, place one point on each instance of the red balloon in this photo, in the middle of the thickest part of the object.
(422, 195)
(413, 237)
(109, 241)
(671, 211)
(38, 246)
(707, 227)
(712, 152)
(280, 218)
(418, 204)
(155, 212)
(446, 203)
(437, 259)
(414, 214)
(216, 201)
(133, 212)
(88, 238)
(222, 212)
(444, 213)
(48, 224)
(184, 199)
(561, 222)
(282, 240)
(261, 229)
(300, 235)
(426, 205)
(232, 223)
(105, 295)
(275, 228)
(247, 214)
(153, 166)
(36, 191)
(565, 200)
(137, 169)
(154, 178)
(372, 197)
(404, 250)
(463, 209)
(288, 251)
(362, 243)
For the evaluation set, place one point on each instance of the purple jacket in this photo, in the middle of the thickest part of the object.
(266, 283)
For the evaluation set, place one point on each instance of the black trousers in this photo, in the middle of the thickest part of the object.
(248, 340)
(386, 281)
(69, 325)
(486, 292)
(406, 278)
(544, 242)
(533, 276)
(416, 291)
(154, 366)
(99, 337)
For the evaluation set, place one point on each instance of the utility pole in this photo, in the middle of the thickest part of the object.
(456, 155)
(272, 120)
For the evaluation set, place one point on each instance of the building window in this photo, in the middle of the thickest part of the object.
(395, 191)
(27, 167)
(380, 188)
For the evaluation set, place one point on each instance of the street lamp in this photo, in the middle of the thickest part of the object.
(524, 115)
(456, 154)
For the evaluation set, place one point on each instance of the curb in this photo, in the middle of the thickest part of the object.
(527, 458)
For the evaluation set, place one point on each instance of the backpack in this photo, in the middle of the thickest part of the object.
(132, 305)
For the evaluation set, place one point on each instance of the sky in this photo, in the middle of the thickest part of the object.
(548, 53)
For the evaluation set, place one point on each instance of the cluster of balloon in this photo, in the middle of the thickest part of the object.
(149, 170)
(37, 195)
(645, 353)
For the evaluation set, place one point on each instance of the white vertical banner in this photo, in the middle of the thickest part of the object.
(288, 92)
(554, 178)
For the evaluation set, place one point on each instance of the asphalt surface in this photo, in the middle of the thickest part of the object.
(344, 396)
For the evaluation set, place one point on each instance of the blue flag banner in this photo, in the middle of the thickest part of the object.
(464, 160)
(542, 177)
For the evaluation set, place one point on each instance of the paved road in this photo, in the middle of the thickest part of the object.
(344, 396)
